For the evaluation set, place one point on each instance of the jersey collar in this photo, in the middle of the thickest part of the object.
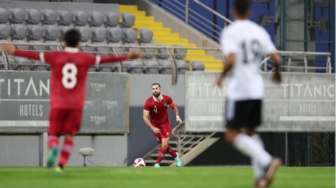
(158, 100)
(71, 50)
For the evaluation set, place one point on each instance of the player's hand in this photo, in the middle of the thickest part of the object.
(219, 81)
(178, 119)
(135, 54)
(8, 48)
(156, 130)
(277, 78)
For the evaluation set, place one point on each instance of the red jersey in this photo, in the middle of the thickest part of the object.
(158, 109)
(68, 74)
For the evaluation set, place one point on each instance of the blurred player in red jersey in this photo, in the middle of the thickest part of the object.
(156, 107)
(68, 81)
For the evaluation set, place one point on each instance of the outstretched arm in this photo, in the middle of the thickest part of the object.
(114, 58)
(10, 49)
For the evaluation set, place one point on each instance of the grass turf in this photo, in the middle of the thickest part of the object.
(165, 177)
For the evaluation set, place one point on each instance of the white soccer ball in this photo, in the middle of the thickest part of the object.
(139, 163)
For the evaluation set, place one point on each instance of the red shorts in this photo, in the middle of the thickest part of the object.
(164, 131)
(64, 121)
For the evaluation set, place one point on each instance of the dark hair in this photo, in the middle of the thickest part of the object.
(156, 84)
(242, 7)
(72, 37)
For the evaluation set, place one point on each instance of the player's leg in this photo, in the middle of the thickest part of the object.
(72, 126)
(161, 152)
(165, 129)
(56, 117)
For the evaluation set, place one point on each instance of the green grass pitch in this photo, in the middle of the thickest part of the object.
(165, 177)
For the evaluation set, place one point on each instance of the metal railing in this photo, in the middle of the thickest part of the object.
(197, 20)
(265, 65)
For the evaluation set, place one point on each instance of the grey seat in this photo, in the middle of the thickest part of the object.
(34, 16)
(4, 15)
(179, 54)
(85, 32)
(65, 17)
(146, 35)
(63, 30)
(136, 66)
(49, 17)
(112, 20)
(81, 18)
(39, 66)
(35, 35)
(182, 66)
(130, 36)
(88, 49)
(19, 35)
(166, 66)
(197, 66)
(98, 34)
(114, 35)
(51, 33)
(149, 52)
(18, 16)
(127, 20)
(92, 69)
(5, 32)
(151, 66)
(24, 64)
(163, 52)
(96, 19)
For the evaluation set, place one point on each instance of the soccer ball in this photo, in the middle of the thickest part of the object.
(139, 163)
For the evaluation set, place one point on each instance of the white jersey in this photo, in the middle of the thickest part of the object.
(250, 43)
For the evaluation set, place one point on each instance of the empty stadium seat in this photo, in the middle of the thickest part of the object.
(86, 33)
(130, 36)
(197, 66)
(163, 52)
(35, 35)
(127, 20)
(136, 66)
(151, 66)
(18, 16)
(51, 33)
(98, 34)
(63, 30)
(166, 66)
(34, 16)
(112, 20)
(5, 31)
(19, 35)
(96, 19)
(65, 17)
(81, 18)
(24, 64)
(49, 17)
(146, 35)
(179, 55)
(149, 52)
(4, 15)
(114, 35)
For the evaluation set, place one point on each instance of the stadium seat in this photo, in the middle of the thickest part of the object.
(179, 55)
(163, 52)
(136, 66)
(146, 35)
(65, 17)
(51, 33)
(197, 66)
(18, 15)
(49, 17)
(130, 36)
(114, 35)
(35, 34)
(24, 64)
(98, 34)
(89, 49)
(19, 35)
(151, 66)
(112, 20)
(127, 20)
(81, 18)
(149, 52)
(5, 31)
(92, 69)
(166, 66)
(85, 32)
(4, 15)
(96, 19)
(34, 16)
(39, 66)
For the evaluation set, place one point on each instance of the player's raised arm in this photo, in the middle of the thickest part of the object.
(116, 58)
(148, 123)
(10, 49)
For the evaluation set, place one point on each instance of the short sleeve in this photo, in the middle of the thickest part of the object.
(229, 42)
(147, 106)
(170, 102)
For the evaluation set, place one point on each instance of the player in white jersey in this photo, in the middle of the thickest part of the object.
(244, 45)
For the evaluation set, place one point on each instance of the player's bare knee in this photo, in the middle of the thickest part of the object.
(164, 145)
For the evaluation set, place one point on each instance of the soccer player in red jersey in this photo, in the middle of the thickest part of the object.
(156, 108)
(68, 81)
